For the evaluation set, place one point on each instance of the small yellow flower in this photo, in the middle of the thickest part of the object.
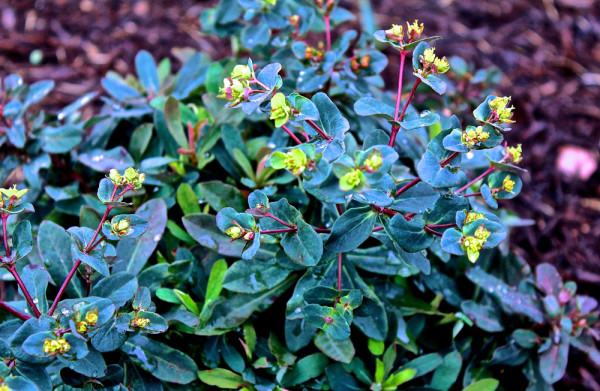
(12, 193)
(429, 55)
(4, 387)
(508, 184)
(515, 153)
(374, 161)
(442, 65)
(271, 3)
(233, 90)
(121, 227)
(116, 178)
(139, 322)
(472, 216)
(81, 327)
(482, 234)
(499, 106)
(63, 346)
(472, 136)
(280, 109)
(294, 161)
(396, 33)
(91, 317)
(414, 30)
(242, 72)
(234, 232)
(351, 180)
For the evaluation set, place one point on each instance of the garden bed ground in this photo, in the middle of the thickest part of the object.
(549, 51)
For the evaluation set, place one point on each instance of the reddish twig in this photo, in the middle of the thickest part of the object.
(278, 231)
(291, 134)
(465, 187)
(396, 129)
(427, 229)
(280, 221)
(13, 270)
(327, 21)
(14, 312)
(318, 129)
(472, 194)
(449, 225)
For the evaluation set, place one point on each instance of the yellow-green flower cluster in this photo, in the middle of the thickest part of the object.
(56, 346)
(514, 153)
(396, 33)
(12, 194)
(242, 73)
(138, 322)
(233, 90)
(472, 136)
(3, 386)
(131, 177)
(351, 180)
(91, 318)
(503, 113)
(234, 232)
(472, 216)
(439, 65)
(414, 30)
(294, 161)
(373, 162)
(473, 244)
(267, 3)
(314, 54)
(121, 227)
(280, 109)
(508, 184)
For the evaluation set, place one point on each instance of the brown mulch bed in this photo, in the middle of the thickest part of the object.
(549, 51)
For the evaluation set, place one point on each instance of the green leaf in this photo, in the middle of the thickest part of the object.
(416, 199)
(413, 120)
(220, 195)
(134, 253)
(367, 106)
(327, 319)
(140, 139)
(410, 235)
(187, 199)
(338, 350)
(284, 357)
(162, 361)
(119, 288)
(486, 317)
(304, 246)
(22, 240)
(146, 70)
(253, 276)
(61, 139)
(483, 385)
(173, 118)
(305, 369)
(446, 374)
(553, 361)
(433, 174)
(351, 229)
(423, 364)
(222, 378)
(103, 161)
(36, 280)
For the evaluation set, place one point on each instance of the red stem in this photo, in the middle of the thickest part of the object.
(14, 312)
(449, 225)
(318, 130)
(87, 249)
(472, 194)
(339, 208)
(280, 221)
(408, 186)
(5, 235)
(327, 20)
(292, 135)
(427, 229)
(13, 271)
(488, 171)
(396, 129)
(339, 276)
(279, 231)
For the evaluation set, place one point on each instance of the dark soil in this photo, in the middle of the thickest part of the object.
(549, 51)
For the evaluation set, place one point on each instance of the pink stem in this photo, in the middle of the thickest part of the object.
(427, 229)
(318, 130)
(327, 20)
(13, 271)
(292, 135)
(488, 171)
(14, 312)
(5, 235)
(280, 221)
(278, 231)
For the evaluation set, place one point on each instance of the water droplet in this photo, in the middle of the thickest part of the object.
(65, 312)
(298, 310)
(271, 145)
(35, 300)
(491, 289)
(320, 86)
(301, 73)
(47, 262)
(300, 80)
(470, 155)
(60, 116)
(95, 374)
(156, 237)
(250, 41)
(72, 366)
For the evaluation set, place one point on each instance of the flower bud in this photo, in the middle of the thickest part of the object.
(233, 91)
(234, 232)
(429, 55)
(91, 318)
(472, 216)
(508, 184)
(351, 180)
(514, 153)
(294, 161)
(139, 322)
(280, 109)
(373, 162)
(482, 234)
(121, 227)
(242, 72)
(396, 33)
(414, 30)
(442, 65)
(81, 327)
(12, 193)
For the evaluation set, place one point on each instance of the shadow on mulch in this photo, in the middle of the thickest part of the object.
(549, 51)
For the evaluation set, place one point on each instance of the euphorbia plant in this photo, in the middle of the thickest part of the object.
(308, 224)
